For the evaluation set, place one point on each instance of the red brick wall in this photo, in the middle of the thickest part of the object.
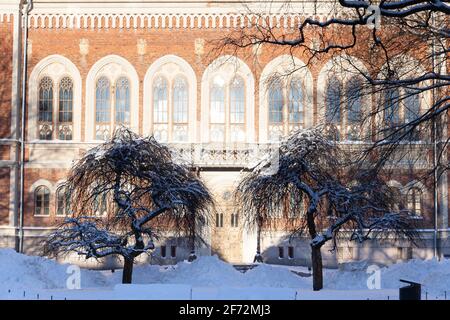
(6, 44)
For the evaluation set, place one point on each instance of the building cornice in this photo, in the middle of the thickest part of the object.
(171, 14)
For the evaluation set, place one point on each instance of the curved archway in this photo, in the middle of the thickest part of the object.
(112, 67)
(344, 70)
(56, 67)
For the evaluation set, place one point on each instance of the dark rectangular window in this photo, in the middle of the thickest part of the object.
(163, 251)
(280, 252)
(173, 251)
(291, 252)
(234, 220)
(219, 220)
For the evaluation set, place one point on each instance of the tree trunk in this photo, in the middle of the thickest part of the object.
(258, 257)
(316, 260)
(127, 270)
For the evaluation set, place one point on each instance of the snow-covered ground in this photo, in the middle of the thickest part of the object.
(31, 277)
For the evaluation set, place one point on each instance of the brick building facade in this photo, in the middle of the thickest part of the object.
(152, 65)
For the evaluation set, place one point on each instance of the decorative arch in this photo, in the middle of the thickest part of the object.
(112, 67)
(228, 67)
(42, 182)
(338, 69)
(170, 66)
(56, 67)
(284, 68)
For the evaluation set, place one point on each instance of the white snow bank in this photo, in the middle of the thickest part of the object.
(432, 274)
(210, 274)
(18, 271)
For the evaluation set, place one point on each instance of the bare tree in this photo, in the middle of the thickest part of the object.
(315, 184)
(141, 192)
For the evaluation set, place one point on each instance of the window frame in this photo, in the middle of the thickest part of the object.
(43, 201)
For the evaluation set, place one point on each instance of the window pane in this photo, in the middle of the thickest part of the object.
(122, 108)
(237, 102)
(217, 104)
(275, 103)
(333, 101)
(295, 102)
(65, 100)
(102, 101)
(42, 201)
(46, 100)
(391, 107)
(180, 101)
(160, 100)
(354, 98)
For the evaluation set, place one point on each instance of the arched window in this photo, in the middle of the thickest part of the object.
(412, 112)
(217, 110)
(180, 110)
(102, 109)
(333, 102)
(296, 111)
(45, 117)
(237, 110)
(275, 103)
(354, 113)
(275, 110)
(122, 108)
(333, 99)
(100, 205)
(65, 115)
(227, 110)
(62, 201)
(42, 201)
(414, 201)
(286, 107)
(392, 107)
(160, 109)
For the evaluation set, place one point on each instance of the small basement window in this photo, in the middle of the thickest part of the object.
(291, 252)
(163, 251)
(173, 251)
(280, 252)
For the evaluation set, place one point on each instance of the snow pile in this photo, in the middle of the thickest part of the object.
(271, 276)
(208, 271)
(432, 274)
(18, 271)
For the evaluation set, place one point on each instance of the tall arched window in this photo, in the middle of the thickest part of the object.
(414, 201)
(392, 107)
(160, 109)
(275, 110)
(42, 201)
(102, 109)
(237, 110)
(333, 99)
(296, 109)
(62, 201)
(217, 110)
(122, 108)
(333, 102)
(45, 117)
(65, 115)
(180, 110)
(286, 107)
(412, 112)
(354, 112)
